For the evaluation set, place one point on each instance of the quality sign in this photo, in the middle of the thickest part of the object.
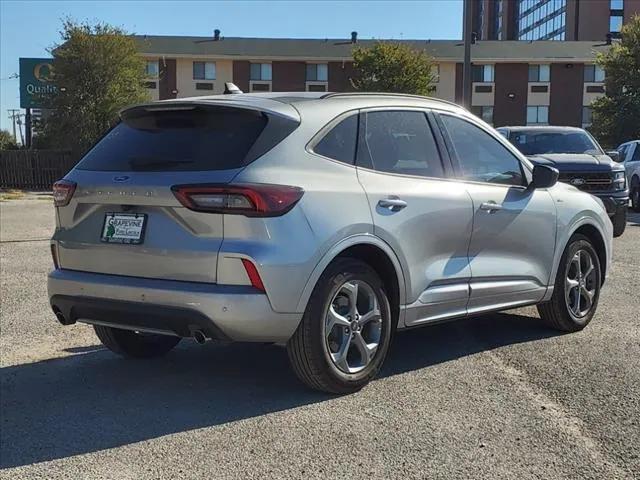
(36, 81)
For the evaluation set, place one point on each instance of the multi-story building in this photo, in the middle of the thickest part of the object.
(514, 82)
(590, 20)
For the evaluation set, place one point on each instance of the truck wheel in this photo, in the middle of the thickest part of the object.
(619, 221)
(133, 344)
(635, 194)
(577, 288)
(345, 332)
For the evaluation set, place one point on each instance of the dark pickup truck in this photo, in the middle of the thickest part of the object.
(581, 162)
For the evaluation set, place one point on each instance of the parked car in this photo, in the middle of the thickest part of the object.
(323, 222)
(630, 157)
(581, 162)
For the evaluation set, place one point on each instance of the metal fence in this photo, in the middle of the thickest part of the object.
(34, 169)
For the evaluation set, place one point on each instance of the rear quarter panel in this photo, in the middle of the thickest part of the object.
(287, 249)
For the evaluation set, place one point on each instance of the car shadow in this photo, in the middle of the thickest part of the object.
(633, 218)
(95, 400)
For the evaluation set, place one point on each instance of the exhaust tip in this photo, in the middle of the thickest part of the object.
(61, 318)
(199, 337)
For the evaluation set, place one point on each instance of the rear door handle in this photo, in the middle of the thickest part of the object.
(392, 203)
(490, 207)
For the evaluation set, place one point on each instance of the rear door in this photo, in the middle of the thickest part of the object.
(128, 176)
(425, 218)
(632, 159)
(514, 228)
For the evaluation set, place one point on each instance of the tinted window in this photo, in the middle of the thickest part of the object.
(481, 157)
(196, 139)
(340, 142)
(623, 152)
(531, 142)
(636, 154)
(399, 142)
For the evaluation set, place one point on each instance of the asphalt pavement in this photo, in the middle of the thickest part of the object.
(497, 396)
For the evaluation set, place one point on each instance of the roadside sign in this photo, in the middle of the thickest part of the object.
(36, 81)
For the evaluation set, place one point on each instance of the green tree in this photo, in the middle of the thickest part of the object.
(616, 116)
(393, 67)
(7, 142)
(97, 71)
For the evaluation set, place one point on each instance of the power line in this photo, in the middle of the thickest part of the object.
(11, 77)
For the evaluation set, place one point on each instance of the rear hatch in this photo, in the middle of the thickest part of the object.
(123, 217)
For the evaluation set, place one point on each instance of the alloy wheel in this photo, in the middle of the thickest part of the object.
(580, 284)
(353, 326)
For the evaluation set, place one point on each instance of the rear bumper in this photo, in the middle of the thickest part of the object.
(237, 313)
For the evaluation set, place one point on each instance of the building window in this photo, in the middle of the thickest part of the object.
(497, 22)
(151, 69)
(538, 115)
(587, 115)
(617, 5)
(593, 73)
(615, 24)
(317, 72)
(261, 71)
(485, 113)
(482, 73)
(204, 70)
(539, 73)
(541, 19)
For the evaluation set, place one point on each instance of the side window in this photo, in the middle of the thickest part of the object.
(623, 152)
(340, 142)
(636, 154)
(480, 156)
(399, 142)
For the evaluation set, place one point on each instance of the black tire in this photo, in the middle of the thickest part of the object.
(556, 312)
(635, 194)
(136, 345)
(308, 350)
(619, 221)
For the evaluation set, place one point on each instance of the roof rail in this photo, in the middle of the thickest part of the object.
(387, 94)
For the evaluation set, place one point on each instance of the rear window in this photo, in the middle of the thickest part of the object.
(340, 142)
(188, 139)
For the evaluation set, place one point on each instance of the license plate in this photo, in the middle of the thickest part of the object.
(124, 228)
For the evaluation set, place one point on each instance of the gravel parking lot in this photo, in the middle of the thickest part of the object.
(498, 396)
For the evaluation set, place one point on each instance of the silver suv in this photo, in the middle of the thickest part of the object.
(320, 221)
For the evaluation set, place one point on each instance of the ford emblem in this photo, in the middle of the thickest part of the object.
(121, 178)
(576, 182)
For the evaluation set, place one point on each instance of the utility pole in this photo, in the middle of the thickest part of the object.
(466, 66)
(27, 128)
(14, 114)
(19, 122)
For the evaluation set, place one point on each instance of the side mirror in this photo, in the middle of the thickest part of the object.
(615, 155)
(544, 176)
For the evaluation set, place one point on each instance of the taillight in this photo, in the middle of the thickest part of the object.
(62, 192)
(252, 273)
(252, 200)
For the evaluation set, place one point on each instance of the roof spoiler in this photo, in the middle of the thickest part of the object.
(231, 88)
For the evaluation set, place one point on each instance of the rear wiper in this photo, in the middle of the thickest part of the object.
(146, 163)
